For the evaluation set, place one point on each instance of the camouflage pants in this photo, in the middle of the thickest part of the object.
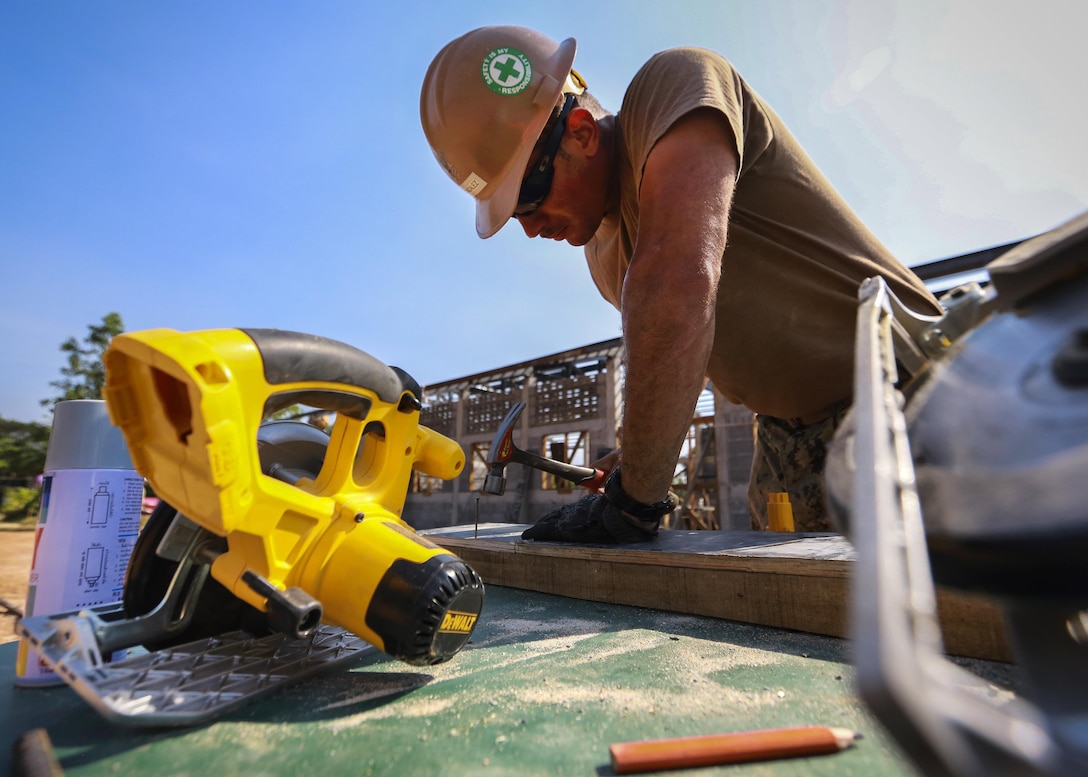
(789, 457)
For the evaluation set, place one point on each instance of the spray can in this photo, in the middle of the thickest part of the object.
(87, 523)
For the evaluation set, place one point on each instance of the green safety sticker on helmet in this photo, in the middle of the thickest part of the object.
(507, 71)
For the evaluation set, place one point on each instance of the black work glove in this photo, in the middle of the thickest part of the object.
(597, 519)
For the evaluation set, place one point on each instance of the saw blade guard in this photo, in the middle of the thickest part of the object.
(969, 475)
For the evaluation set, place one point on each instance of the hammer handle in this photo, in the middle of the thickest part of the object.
(583, 476)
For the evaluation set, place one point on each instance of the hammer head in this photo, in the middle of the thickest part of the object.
(498, 455)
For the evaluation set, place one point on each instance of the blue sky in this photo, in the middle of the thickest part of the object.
(197, 165)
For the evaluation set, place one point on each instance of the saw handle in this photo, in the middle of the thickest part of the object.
(293, 358)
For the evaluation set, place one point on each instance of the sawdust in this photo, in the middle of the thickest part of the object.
(508, 667)
(520, 627)
(687, 675)
(417, 708)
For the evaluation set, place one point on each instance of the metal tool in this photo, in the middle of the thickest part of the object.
(503, 451)
(268, 526)
(976, 483)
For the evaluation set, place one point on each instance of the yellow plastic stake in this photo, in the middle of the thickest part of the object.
(779, 512)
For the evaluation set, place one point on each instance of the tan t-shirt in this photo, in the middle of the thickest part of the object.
(795, 256)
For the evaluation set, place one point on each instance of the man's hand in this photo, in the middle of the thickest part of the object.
(597, 518)
(606, 464)
(591, 519)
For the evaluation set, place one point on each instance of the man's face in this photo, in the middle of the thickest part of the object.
(574, 207)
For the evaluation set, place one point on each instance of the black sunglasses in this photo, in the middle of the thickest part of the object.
(538, 183)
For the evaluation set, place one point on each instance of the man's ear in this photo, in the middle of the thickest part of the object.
(582, 127)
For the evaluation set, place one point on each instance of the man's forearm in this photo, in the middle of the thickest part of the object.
(667, 342)
(670, 294)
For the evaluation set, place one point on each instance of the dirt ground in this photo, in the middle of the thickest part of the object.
(16, 551)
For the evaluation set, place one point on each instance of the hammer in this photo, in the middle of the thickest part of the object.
(503, 451)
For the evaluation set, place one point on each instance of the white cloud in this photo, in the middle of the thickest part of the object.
(1004, 82)
(856, 77)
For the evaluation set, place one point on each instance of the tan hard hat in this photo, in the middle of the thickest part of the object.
(485, 100)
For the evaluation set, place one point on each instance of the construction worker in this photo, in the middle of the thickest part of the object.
(726, 251)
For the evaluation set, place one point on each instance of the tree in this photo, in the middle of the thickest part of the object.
(85, 374)
(22, 448)
(22, 456)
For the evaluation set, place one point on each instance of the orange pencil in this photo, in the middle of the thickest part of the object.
(686, 752)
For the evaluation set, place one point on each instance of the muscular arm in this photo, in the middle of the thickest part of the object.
(669, 294)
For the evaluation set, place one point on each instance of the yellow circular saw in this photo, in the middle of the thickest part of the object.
(275, 525)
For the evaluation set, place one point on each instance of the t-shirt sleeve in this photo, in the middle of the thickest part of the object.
(669, 86)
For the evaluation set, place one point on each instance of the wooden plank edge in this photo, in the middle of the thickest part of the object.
(722, 560)
(807, 595)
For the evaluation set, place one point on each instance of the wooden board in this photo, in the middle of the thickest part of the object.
(790, 581)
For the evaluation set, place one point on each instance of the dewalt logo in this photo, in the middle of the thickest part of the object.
(458, 622)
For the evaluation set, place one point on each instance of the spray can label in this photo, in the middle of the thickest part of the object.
(87, 526)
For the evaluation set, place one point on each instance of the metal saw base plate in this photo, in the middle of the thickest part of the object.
(189, 684)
